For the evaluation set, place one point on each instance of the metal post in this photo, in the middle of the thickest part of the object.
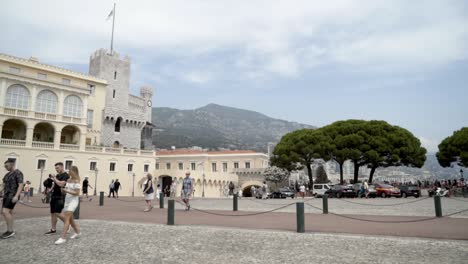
(76, 214)
(101, 199)
(234, 202)
(170, 212)
(203, 185)
(161, 200)
(95, 181)
(438, 206)
(31, 191)
(325, 203)
(300, 217)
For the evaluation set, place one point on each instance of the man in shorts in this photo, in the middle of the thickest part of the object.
(13, 185)
(57, 198)
(85, 188)
(187, 188)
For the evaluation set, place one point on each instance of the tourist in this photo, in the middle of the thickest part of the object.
(187, 187)
(85, 188)
(264, 190)
(240, 193)
(173, 189)
(117, 187)
(57, 198)
(253, 191)
(48, 184)
(158, 187)
(26, 191)
(302, 190)
(148, 191)
(366, 189)
(12, 186)
(167, 191)
(231, 188)
(72, 194)
(111, 190)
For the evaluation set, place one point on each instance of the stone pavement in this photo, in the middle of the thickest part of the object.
(131, 211)
(119, 242)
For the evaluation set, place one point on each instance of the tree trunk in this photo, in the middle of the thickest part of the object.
(356, 171)
(311, 180)
(341, 173)
(371, 175)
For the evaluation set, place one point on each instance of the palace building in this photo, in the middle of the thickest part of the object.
(50, 114)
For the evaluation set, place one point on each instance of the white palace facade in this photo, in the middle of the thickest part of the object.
(50, 114)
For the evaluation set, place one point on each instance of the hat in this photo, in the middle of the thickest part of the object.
(10, 160)
(187, 172)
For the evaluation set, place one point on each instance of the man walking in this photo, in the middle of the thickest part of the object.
(85, 188)
(13, 184)
(57, 200)
(117, 187)
(111, 189)
(48, 183)
(186, 190)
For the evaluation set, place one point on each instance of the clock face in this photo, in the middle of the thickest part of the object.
(149, 103)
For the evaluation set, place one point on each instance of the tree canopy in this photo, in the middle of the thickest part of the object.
(299, 149)
(454, 149)
(276, 175)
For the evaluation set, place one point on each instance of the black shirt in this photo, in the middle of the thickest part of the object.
(56, 191)
(48, 183)
(116, 186)
(11, 182)
(85, 184)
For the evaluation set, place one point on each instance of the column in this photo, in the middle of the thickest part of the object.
(29, 136)
(58, 135)
(85, 110)
(3, 88)
(61, 98)
(32, 107)
(82, 142)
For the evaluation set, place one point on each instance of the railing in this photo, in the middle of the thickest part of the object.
(40, 115)
(112, 150)
(46, 145)
(69, 146)
(47, 116)
(130, 151)
(13, 142)
(94, 148)
(147, 152)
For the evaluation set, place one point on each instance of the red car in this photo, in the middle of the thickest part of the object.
(385, 190)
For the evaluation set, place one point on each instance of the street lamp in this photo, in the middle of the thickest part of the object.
(95, 180)
(40, 182)
(133, 188)
(203, 176)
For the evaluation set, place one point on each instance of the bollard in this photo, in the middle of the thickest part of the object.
(101, 198)
(438, 206)
(325, 203)
(170, 212)
(161, 200)
(234, 202)
(31, 191)
(300, 217)
(76, 213)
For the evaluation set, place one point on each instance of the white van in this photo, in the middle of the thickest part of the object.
(320, 189)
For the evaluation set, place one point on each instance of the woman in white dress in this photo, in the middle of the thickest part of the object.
(148, 192)
(72, 191)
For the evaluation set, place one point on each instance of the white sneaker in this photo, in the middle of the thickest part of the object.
(60, 241)
(75, 236)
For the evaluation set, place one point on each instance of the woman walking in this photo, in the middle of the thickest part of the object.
(26, 191)
(72, 196)
(148, 191)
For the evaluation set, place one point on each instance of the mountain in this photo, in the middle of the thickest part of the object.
(215, 126)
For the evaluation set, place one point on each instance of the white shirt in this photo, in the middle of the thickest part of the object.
(302, 188)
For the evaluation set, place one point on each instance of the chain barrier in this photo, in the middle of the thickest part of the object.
(260, 202)
(410, 202)
(456, 199)
(32, 206)
(128, 201)
(249, 214)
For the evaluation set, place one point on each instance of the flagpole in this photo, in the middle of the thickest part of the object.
(112, 37)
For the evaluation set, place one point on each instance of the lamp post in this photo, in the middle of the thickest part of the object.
(40, 182)
(133, 188)
(95, 180)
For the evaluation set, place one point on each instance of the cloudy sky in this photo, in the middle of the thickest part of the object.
(313, 62)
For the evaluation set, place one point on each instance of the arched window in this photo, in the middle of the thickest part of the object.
(72, 106)
(117, 124)
(17, 97)
(46, 102)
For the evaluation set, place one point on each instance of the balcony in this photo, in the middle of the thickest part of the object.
(42, 116)
(94, 148)
(13, 142)
(130, 151)
(44, 145)
(69, 146)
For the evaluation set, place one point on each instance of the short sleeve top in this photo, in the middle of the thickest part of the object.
(11, 182)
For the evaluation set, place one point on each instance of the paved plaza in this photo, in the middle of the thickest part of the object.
(121, 242)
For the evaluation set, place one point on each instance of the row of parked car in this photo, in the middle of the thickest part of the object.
(352, 191)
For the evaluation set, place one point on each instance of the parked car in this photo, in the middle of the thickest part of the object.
(360, 194)
(340, 191)
(385, 190)
(320, 189)
(282, 193)
(410, 190)
(259, 195)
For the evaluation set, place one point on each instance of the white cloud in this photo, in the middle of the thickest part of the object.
(272, 38)
(430, 144)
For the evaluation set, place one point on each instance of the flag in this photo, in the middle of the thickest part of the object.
(111, 14)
